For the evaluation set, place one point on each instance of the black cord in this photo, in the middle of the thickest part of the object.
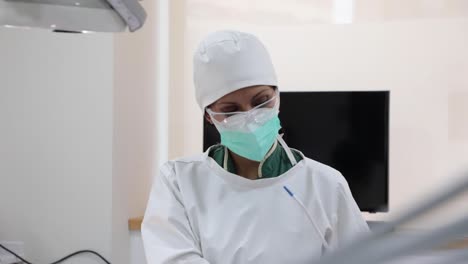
(60, 260)
(14, 254)
(81, 252)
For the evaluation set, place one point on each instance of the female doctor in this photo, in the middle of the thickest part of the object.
(250, 199)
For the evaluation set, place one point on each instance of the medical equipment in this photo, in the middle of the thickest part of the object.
(375, 248)
(77, 16)
(455, 258)
(311, 219)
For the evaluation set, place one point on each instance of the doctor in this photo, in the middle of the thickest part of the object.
(250, 199)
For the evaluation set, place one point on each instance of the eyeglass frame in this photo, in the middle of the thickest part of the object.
(230, 114)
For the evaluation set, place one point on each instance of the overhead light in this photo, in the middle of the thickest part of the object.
(73, 15)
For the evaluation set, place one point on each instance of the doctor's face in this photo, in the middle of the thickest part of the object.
(244, 100)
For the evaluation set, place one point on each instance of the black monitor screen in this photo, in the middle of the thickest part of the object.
(345, 130)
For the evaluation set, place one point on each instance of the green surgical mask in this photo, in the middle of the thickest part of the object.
(252, 145)
(250, 135)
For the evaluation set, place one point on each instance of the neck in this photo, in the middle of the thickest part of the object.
(245, 167)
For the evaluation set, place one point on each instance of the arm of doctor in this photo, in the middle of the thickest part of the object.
(166, 231)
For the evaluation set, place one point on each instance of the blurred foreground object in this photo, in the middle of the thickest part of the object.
(382, 246)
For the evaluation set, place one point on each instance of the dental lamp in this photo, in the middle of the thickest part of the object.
(76, 16)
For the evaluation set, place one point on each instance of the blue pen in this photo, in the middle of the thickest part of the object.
(288, 191)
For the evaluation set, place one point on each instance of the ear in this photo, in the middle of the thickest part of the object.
(208, 118)
(279, 103)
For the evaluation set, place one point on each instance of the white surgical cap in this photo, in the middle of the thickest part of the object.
(226, 61)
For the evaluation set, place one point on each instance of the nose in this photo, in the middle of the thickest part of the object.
(246, 107)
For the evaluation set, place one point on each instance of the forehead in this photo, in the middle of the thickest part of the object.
(245, 93)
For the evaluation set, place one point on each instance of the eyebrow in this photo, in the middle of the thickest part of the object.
(260, 93)
(253, 98)
(226, 103)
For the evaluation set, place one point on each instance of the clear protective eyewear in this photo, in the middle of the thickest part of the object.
(259, 112)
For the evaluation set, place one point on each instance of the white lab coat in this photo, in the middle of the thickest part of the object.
(200, 213)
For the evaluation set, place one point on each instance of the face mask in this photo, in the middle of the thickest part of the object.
(250, 134)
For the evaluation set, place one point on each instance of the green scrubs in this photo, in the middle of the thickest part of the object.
(275, 164)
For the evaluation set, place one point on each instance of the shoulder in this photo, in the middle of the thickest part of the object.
(216, 152)
(331, 188)
(325, 176)
(171, 166)
(175, 172)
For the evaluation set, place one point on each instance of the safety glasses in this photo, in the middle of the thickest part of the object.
(226, 117)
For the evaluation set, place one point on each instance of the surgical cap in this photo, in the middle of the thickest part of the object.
(226, 61)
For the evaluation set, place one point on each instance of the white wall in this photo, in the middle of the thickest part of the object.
(135, 128)
(77, 142)
(56, 115)
(421, 59)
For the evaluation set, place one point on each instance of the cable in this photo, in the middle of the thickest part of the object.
(81, 252)
(311, 219)
(62, 259)
(14, 254)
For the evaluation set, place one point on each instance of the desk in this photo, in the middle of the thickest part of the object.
(134, 224)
